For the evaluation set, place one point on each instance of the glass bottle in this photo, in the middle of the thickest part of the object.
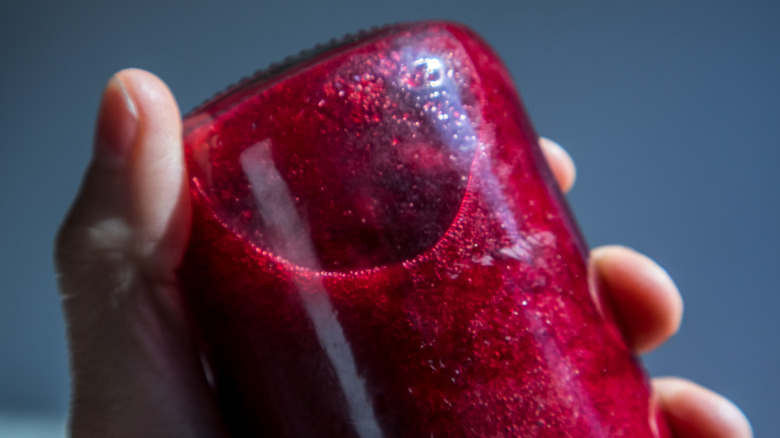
(378, 249)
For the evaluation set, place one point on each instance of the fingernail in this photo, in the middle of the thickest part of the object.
(560, 161)
(117, 124)
(552, 146)
(733, 418)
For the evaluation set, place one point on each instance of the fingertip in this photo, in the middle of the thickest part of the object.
(694, 411)
(146, 85)
(560, 162)
(644, 299)
(157, 108)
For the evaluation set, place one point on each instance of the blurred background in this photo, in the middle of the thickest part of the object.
(670, 109)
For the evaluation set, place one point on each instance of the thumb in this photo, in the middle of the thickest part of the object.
(132, 203)
(132, 356)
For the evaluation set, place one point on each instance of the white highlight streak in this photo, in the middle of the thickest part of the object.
(276, 207)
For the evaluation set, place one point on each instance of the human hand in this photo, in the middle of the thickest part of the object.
(136, 370)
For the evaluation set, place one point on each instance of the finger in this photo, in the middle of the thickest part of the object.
(644, 299)
(560, 163)
(696, 412)
(133, 197)
(131, 352)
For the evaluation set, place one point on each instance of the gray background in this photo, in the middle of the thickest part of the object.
(671, 110)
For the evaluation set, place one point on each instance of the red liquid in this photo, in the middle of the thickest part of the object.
(378, 249)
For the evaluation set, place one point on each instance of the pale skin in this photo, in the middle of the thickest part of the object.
(135, 368)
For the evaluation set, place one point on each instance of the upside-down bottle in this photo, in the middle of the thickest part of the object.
(378, 249)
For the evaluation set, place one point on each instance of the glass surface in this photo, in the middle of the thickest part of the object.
(379, 250)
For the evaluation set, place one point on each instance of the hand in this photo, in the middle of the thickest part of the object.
(135, 367)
